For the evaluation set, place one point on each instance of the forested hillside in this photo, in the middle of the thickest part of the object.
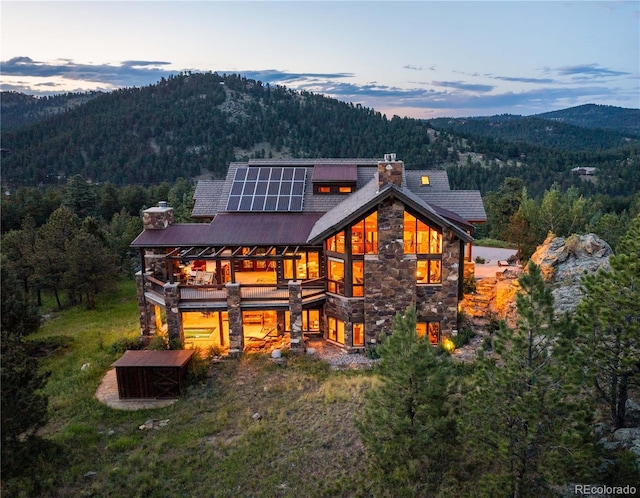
(192, 125)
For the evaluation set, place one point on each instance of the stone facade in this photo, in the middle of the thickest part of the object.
(174, 320)
(157, 218)
(236, 335)
(390, 275)
(348, 309)
(439, 303)
(295, 314)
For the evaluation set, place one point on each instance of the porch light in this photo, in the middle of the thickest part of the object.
(448, 344)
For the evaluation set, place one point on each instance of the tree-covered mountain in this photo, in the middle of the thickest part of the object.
(606, 117)
(192, 125)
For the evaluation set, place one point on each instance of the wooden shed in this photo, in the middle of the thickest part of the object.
(152, 374)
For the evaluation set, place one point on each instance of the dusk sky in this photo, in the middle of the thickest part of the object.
(420, 59)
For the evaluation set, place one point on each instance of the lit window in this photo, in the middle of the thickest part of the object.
(424, 179)
(345, 190)
(358, 334)
(430, 330)
(324, 190)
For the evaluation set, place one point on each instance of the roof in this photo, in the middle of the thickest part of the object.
(364, 199)
(335, 173)
(234, 229)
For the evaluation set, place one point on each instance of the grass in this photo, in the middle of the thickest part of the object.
(252, 428)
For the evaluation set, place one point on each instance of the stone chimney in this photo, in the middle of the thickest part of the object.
(390, 171)
(157, 218)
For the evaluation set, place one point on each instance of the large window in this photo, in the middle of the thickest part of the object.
(426, 243)
(419, 238)
(431, 330)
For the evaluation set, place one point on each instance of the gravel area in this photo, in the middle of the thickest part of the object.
(337, 357)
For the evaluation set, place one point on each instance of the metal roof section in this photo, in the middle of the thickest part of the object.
(335, 173)
(234, 229)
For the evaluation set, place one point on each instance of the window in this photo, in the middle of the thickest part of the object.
(429, 271)
(364, 235)
(424, 180)
(336, 243)
(336, 330)
(358, 334)
(430, 330)
(335, 276)
(324, 190)
(419, 238)
(358, 278)
(311, 320)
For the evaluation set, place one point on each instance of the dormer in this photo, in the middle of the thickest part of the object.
(334, 178)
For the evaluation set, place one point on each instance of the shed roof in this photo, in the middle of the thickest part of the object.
(234, 229)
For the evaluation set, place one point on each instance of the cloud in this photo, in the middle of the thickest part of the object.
(413, 68)
(589, 71)
(127, 73)
(276, 76)
(523, 80)
(459, 85)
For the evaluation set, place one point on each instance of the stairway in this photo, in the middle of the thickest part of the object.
(477, 305)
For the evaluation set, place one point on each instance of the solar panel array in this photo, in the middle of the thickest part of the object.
(267, 189)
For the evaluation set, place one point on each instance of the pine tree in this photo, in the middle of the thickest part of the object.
(608, 336)
(408, 426)
(527, 430)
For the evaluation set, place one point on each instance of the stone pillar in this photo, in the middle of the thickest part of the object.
(145, 310)
(174, 323)
(295, 317)
(390, 274)
(236, 336)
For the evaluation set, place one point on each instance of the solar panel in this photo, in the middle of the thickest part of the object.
(267, 189)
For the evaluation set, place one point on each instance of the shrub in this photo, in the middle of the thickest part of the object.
(464, 337)
(479, 260)
(124, 344)
(158, 343)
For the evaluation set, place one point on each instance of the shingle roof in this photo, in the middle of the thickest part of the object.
(365, 198)
(211, 196)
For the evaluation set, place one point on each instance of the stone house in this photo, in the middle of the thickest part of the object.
(287, 249)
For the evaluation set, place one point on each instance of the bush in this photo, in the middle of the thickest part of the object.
(158, 343)
(125, 344)
(479, 260)
(464, 337)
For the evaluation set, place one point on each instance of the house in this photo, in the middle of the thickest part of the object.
(294, 248)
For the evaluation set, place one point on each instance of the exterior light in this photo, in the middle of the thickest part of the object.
(448, 344)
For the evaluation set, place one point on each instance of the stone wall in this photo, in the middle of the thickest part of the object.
(157, 218)
(389, 275)
(348, 309)
(440, 303)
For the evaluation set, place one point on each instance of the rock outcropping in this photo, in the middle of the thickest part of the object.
(564, 262)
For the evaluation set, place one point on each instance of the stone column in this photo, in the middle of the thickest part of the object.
(236, 336)
(174, 323)
(295, 317)
(390, 274)
(146, 311)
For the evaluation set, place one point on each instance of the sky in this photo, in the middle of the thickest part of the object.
(420, 59)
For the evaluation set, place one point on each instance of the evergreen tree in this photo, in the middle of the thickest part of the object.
(608, 336)
(24, 407)
(526, 429)
(408, 426)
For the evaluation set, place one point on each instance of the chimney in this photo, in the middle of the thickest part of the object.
(390, 171)
(157, 218)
